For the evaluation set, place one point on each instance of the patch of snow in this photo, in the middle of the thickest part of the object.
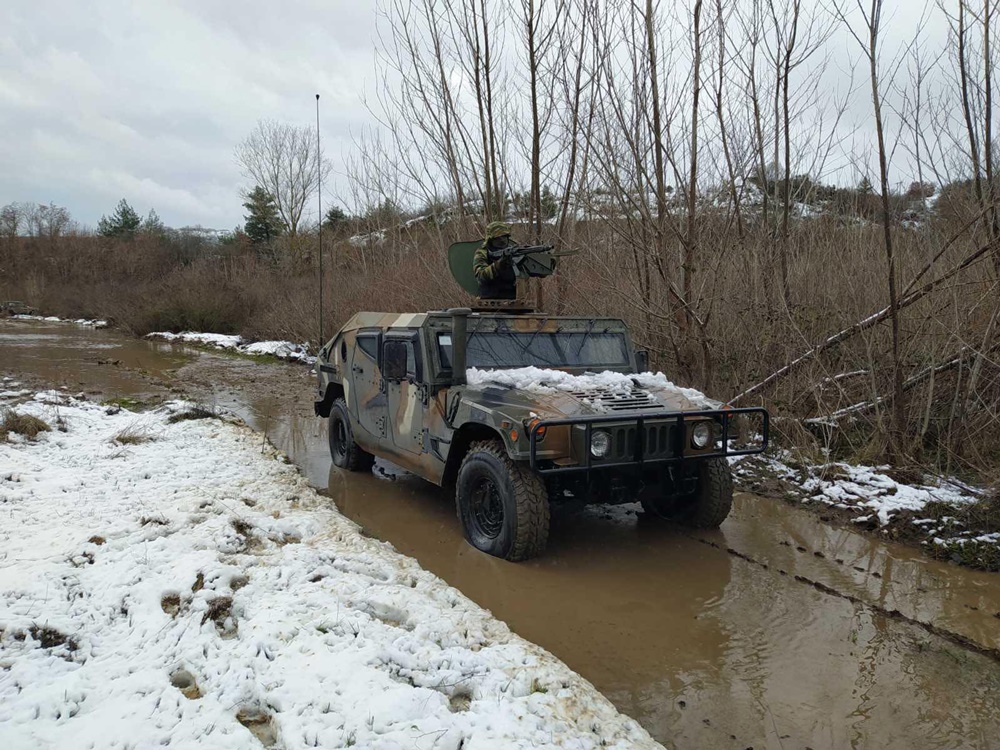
(217, 340)
(54, 319)
(806, 211)
(363, 240)
(280, 349)
(151, 594)
(866, 489)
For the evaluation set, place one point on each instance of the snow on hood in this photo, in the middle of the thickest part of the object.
(546, 382)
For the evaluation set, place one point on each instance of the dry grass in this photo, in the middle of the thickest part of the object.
(49, 637)
(194, 412)
(21, 424)
(132, 435)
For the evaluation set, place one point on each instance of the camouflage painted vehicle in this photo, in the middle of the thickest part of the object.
(397, 386)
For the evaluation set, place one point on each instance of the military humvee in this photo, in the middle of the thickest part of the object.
(396, 386)
(510, 442)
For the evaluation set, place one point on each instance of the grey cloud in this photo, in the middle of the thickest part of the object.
(148, 100)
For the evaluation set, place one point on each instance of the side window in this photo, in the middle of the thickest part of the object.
(444, 350)
(369, 345)
(411, 361)
(403, 354)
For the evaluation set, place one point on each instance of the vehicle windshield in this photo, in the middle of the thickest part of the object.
(507, 349)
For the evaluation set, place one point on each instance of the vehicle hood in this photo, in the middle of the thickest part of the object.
(552, 394)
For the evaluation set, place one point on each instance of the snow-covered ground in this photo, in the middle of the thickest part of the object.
(177, 583)
(280, 349)
(870, 495)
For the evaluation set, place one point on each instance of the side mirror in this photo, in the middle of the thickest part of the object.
(642, 360)
(394, 360)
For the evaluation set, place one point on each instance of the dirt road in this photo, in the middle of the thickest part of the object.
(777, 631)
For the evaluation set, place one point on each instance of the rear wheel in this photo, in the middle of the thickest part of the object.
(503, 506)
(343, 450)
(705, 508)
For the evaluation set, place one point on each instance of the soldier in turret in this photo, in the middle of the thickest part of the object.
(494, 270)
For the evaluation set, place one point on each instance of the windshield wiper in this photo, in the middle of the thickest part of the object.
(583, 341)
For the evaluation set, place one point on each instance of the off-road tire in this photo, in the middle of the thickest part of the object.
(521, 529)
(708, 506)
(343, 450)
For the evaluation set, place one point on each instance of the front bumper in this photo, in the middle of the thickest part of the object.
(650, 439)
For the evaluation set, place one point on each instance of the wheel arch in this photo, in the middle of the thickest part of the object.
(333, 392)
(462, 439)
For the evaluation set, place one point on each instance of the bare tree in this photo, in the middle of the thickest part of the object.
(49, 221)
(283, 160)
(869, 39)
(11, 219)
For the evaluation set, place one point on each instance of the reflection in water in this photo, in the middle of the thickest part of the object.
(704, 648)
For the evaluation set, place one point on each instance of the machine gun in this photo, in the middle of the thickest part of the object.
(513, 250)
(529, 261)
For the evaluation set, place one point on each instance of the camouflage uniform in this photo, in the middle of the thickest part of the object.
(481, 265)
(496, 278)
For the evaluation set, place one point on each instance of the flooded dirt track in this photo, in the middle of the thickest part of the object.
(777, 631)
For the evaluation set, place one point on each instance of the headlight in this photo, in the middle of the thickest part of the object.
(701, 435)
(600, 444)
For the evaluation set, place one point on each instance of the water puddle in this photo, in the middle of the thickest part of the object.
(777, 631)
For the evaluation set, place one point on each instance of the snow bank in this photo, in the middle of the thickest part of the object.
(536, 380)
(190, 589)
(53, 319)
(280, 349)
(218, 340)
(868, 490)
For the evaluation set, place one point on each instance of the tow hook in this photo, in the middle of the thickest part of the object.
(621, 489)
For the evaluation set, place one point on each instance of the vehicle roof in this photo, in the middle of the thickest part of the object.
(384, 320)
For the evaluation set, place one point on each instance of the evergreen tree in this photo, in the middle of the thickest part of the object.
(152, 225)
(262, 222)
(124, 222)
(550, 204)
(335, 217)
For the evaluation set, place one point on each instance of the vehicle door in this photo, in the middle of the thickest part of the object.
(405, 390)
(366, 396)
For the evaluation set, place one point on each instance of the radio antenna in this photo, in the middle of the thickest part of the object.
(319, 200)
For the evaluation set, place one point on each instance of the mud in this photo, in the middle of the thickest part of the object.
(777, 631)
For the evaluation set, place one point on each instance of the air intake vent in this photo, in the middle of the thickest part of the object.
(618, 401)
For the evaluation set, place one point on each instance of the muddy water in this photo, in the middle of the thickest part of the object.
(708, 639)
(96, 362)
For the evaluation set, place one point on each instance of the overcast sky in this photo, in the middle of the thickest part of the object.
(147, 100)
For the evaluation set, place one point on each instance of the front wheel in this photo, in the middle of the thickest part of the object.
(343, 450)
(503, 506)
(705, 508)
